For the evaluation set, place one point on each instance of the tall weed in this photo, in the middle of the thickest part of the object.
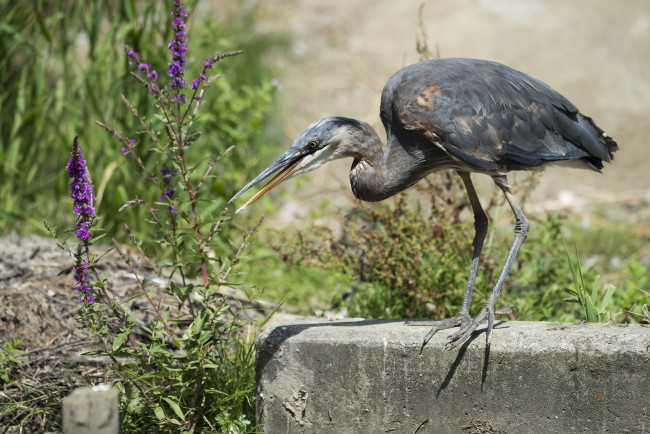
(184, 363)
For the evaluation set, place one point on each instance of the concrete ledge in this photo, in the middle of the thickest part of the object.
(367, 376)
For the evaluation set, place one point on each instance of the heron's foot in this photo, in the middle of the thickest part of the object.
(487, 313)
(461, 319)
(467, 325)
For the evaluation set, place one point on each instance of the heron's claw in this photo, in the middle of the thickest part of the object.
(462, 319)
(487, 312)
(467, 325)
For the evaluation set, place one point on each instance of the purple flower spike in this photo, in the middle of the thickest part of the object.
(82, 280)
(81, 190)
(195, 83)
(169, 192)
(167, 174)
(133, 56)
(178, 48)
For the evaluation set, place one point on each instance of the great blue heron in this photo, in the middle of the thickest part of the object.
(466, 115)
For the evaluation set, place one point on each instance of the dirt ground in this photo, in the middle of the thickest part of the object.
(36, 307)
(39, 308)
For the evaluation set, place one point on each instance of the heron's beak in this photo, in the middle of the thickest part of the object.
(288, 164)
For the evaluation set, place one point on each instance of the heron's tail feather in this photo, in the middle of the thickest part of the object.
(595, 142)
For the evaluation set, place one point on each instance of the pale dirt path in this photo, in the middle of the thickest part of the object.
(595, 52)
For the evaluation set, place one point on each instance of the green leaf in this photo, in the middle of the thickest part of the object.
(211, 366)
(606, 300)
(594, 289)
(176, 408)
(95, 353)
(65, 271)
(198, 322)
(192, 138)
(119, 340)
(589, 309)
(159, 412)
(132, 297)
(15, 360)
(98, 237)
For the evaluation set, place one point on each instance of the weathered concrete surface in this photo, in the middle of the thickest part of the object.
(367, 376)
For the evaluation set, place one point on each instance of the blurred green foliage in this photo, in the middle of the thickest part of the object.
(595, 306)
(63, 66)
(410, 260)
(8, 361)
(406, 258)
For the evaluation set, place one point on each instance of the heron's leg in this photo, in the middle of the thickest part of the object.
(489, 307)
(480, 227)
(480, 231)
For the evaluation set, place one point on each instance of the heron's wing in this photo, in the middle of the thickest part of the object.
(503, 119)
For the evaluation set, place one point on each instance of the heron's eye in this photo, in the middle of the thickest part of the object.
(312, 144)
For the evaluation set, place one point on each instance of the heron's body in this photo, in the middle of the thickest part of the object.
(467, 115)
(478, 116)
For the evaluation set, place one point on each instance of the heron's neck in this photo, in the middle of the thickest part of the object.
(377, 174)
(367, 174)
(371, 176)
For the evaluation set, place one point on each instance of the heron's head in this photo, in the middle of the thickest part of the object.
(324, 140)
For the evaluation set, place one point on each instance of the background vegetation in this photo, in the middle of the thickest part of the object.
(63, 67)
(409, 257)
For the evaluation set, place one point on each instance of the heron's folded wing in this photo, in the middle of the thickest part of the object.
(499, 121)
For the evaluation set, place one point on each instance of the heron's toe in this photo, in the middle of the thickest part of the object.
(461, 319)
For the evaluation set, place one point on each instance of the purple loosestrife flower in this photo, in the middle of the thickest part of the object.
(167, 180)
(82, 280)
(81, 190)
(167, 174)
(178, 48)
(152, 74)
(207, 64)
(131, 144)
(134, 57)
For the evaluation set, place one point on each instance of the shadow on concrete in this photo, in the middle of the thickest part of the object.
(459, 357)
(278, 335)
(456, 363)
